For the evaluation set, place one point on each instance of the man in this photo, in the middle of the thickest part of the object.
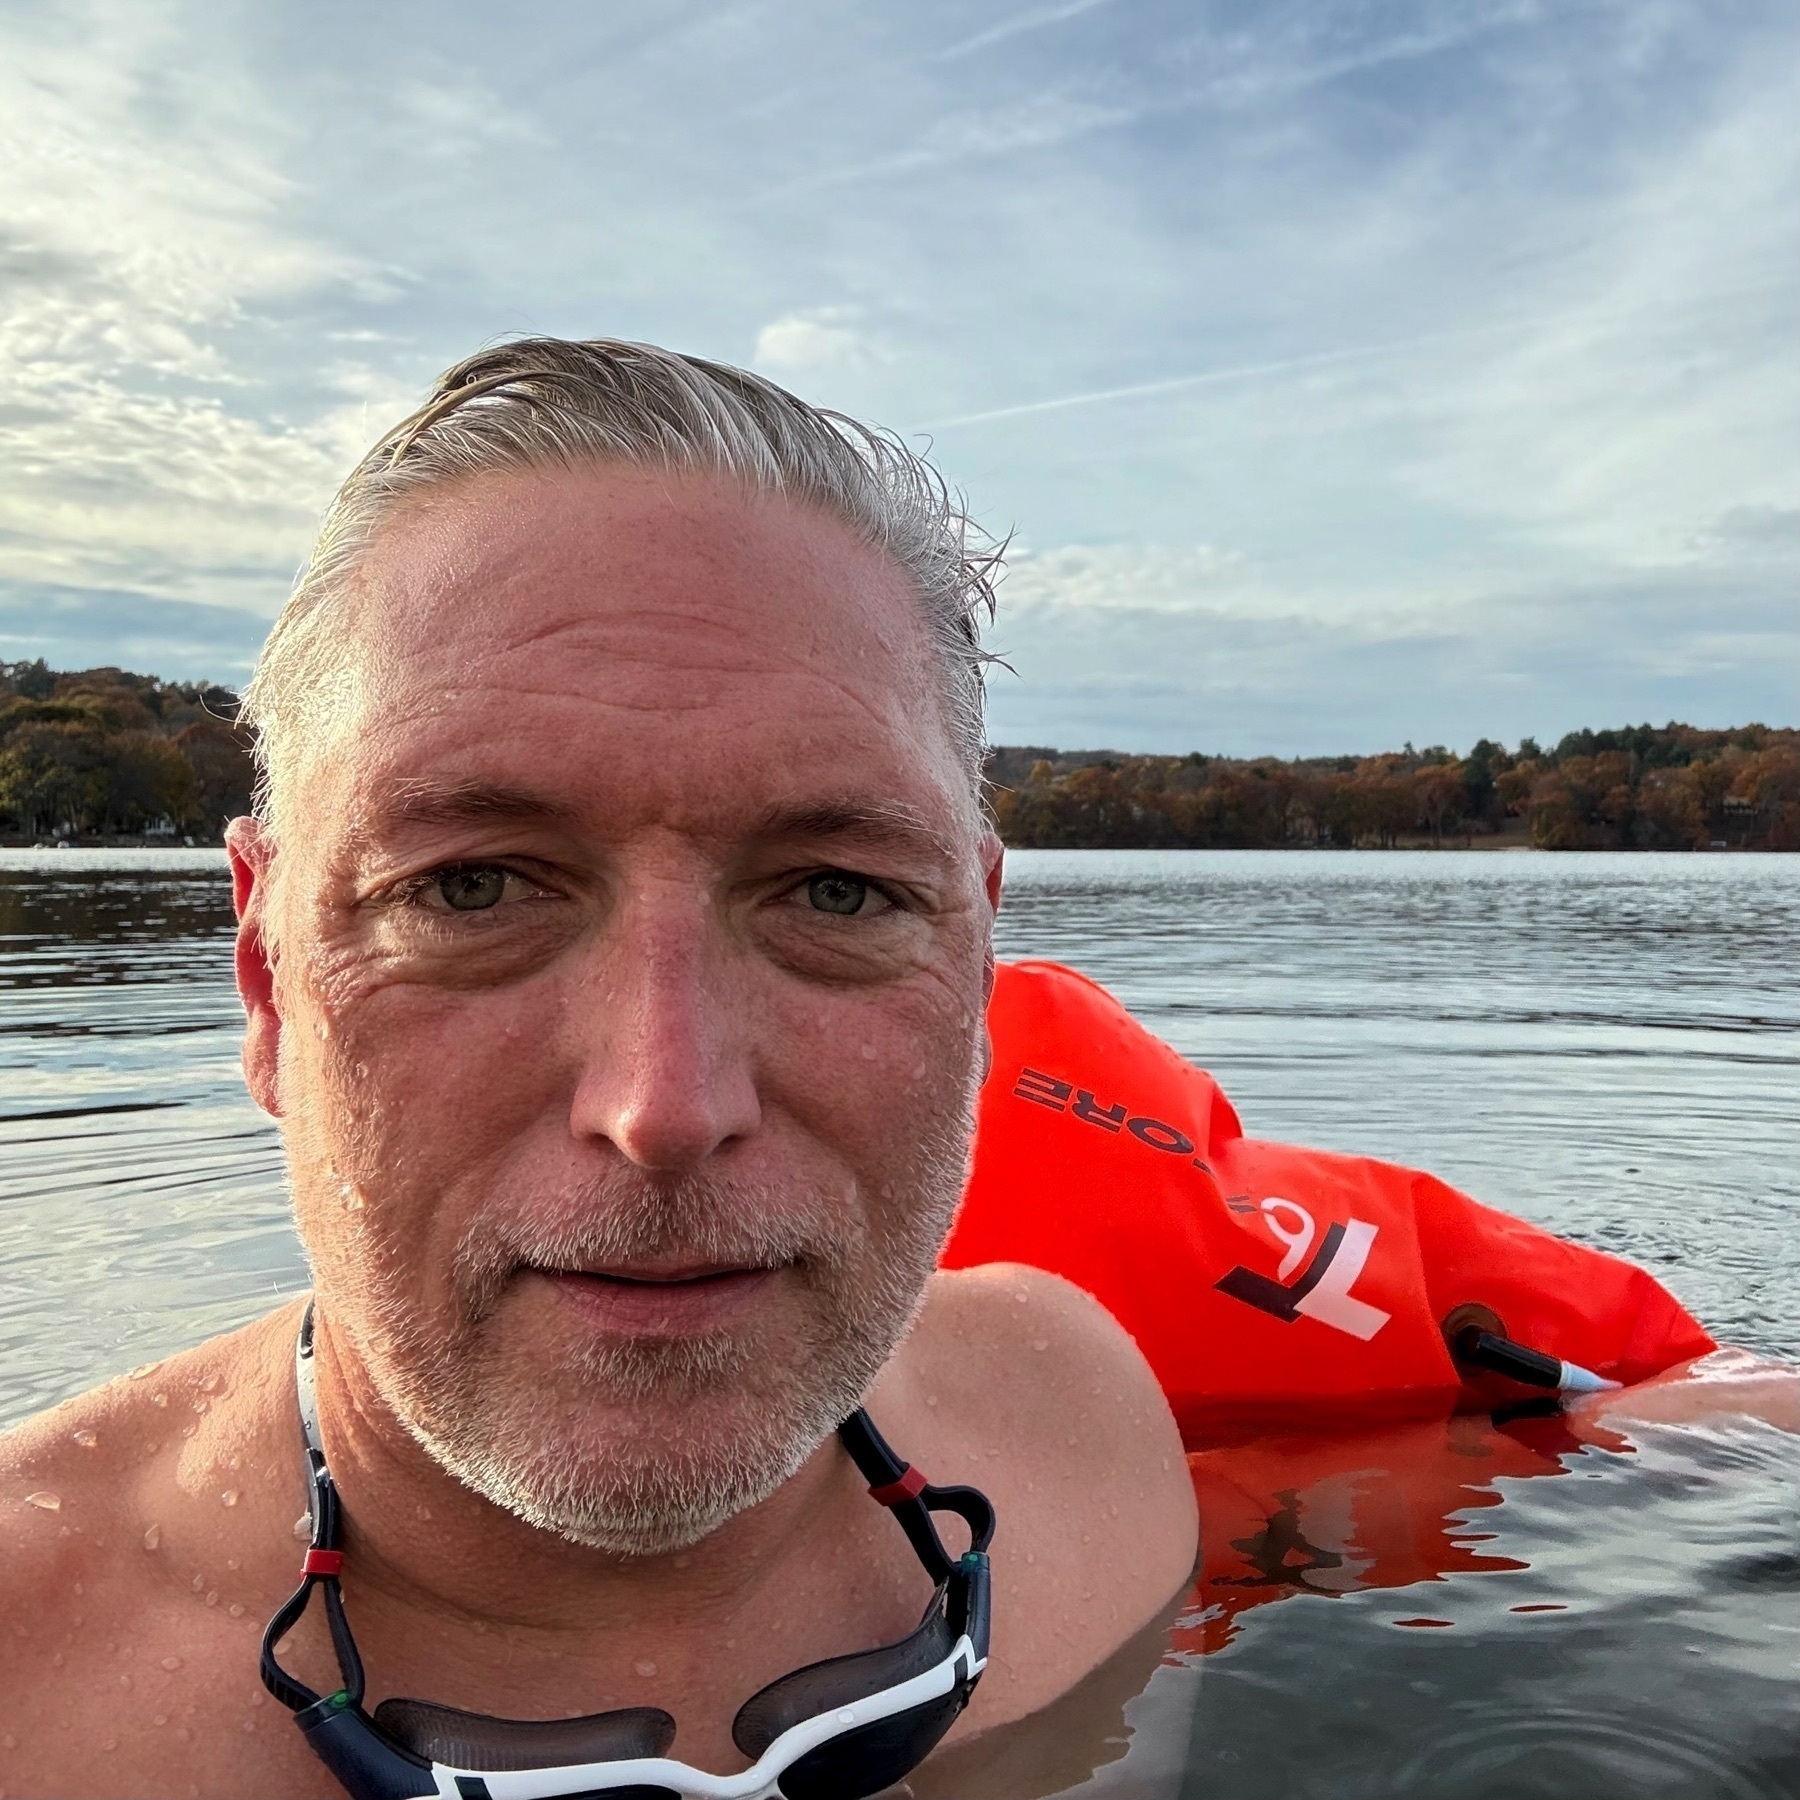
(615, 931)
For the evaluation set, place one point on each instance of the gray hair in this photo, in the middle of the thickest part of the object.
(555, 403)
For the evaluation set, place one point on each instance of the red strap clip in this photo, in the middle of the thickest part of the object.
(323, 1562)
(911, 1484)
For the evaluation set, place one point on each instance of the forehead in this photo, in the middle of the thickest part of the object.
(671, 646)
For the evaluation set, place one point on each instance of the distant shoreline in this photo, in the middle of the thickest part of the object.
(109, 758)
(1643, 787)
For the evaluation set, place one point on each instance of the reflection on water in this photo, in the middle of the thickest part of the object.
(1622, 1630)
(1644, 1645)
(1458, 1608)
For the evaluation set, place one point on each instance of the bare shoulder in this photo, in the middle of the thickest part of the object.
(63, 1481)
(84, 1486)
(1058, 1362)
(1028, 1387)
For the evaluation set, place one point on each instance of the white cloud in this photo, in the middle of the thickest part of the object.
(141, 230)
(455, 115)
(821, 338)
(1129, 578)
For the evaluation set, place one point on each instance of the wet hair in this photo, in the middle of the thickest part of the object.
(556, 403)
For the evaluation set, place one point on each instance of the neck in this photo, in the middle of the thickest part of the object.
(420, 1539)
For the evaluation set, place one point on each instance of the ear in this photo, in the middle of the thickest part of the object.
(993, 862)
(251, 847)
(993, 856)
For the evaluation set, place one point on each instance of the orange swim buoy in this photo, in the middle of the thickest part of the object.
(1268, 1286)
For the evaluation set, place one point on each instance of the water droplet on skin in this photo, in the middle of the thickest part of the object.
(86, 1439)
(323, 1028)
(144, 1369)
(159, 1719)
(231, 1562)
(868, 1051)
(110, 1744)
(423, 1512)
(303, 1526)
(237, 1612)
(931, 1400)
(1020, 1295)
(124, 1681)
(211, 1384)
(212, 1597)
(43, 1498)
(229, 1497)
(1044, 1344)
(200, 1406)
(645, 1668)
(80, 1589)
(198, 1583)
(171, 1662)
(159, 1399)
(187, 1431)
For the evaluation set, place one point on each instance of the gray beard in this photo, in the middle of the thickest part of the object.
(716, 1423)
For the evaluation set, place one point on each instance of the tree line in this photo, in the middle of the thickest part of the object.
(1643, 787)
(105, 753)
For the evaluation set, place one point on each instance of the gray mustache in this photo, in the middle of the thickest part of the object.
(622, 1221)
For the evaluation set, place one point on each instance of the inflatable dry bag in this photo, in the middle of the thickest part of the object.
(1267, 1285)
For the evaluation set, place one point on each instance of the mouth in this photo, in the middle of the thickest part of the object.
(674, 1300)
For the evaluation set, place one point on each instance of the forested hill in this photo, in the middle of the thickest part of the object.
(93, 754)
(1643, 787)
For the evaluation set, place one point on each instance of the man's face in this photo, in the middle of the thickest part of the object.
(631, 934)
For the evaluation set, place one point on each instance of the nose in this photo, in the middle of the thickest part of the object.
(667, 1074)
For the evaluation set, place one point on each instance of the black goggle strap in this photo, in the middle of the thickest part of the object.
(324, 1556)
(905, 1492)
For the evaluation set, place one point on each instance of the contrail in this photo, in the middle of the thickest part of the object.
(1215, 377)
(1319, 359)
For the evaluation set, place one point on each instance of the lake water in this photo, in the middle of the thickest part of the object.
(1607, 1045)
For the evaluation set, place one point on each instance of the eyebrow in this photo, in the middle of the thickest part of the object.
(420, 802)
(857, 821)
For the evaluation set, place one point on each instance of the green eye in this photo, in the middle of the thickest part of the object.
(471, 889)
(836, 893)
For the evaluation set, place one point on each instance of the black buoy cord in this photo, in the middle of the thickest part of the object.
(1501, 1356)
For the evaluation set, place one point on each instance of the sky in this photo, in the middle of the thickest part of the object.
(1346, 374)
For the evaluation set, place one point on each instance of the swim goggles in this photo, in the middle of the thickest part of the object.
(835, 1730)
